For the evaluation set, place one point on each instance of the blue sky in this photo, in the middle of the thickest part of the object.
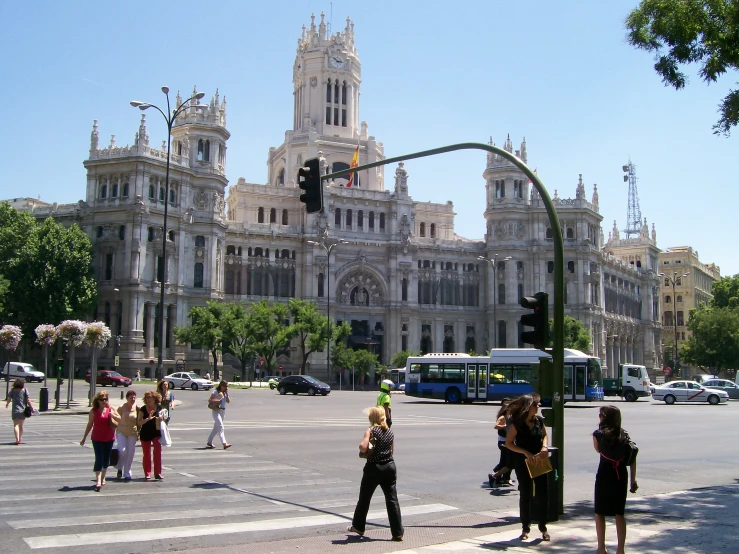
(434, 73)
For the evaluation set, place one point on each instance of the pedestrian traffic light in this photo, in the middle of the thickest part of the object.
(59, 366)
(539, 320)
(309, 179)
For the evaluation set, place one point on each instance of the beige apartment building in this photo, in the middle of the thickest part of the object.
(685, 283)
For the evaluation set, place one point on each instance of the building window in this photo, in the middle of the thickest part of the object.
(260, 215)
(272, 215)
(382, 223)
(337, 217)
(500, 189)
(100, 231)
(668, 319)
(667, 281)
(109, 267)
(161, 194)
(281, 177)
(570, 233)
(549, 234)
(160, 269)
(172, 196)
(550, 267)
(432, 231)
(320, 285)
(284, 217)
(360, 219)
(668, 299)
(372, 221)
(502, 334)
(170, 236)
(520, 292)
(422, 230)
(198, 278)
(104, 191)
(200, 240)
(203, 150)
(125, 190)
(501, 293)
(680, 320)
(348, 219)
(678, 298)
(571, 267)
(404, 290)
(150, 234)
(122, 232)
(115, 191)
(151, 192)
(678, 281)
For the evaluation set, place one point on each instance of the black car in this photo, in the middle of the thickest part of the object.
(302, 383)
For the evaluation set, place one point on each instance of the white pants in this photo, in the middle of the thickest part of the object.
(126, 450)
(218, 416)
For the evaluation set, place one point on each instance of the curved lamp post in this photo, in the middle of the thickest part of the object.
(493, 263)
(673, 281)
(169, 118)
(328, 248)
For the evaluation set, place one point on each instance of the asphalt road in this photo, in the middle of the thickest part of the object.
(300, 453)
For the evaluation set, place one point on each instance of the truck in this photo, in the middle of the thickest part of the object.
(632, 383)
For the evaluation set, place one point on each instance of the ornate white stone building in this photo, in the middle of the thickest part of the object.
(405, 280)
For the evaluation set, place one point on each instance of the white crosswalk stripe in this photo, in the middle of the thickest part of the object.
(249, 494)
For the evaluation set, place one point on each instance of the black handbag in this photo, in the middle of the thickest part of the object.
(114, 457)
(28, 412)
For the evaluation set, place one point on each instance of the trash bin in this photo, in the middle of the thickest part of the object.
(552, 485)
(43, 400)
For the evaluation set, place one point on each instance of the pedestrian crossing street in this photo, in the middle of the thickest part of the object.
(204, 494)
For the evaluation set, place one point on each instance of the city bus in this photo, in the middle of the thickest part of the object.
(506, 373)
(397, 376)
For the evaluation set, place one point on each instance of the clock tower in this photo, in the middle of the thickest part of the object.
(326, 78)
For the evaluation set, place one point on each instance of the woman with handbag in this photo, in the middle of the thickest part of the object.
(102, 421)
(527, 437)
(217, 403)
(612, 442)
(126, 435)
(22, 407)
(148, 423)
(377, 446)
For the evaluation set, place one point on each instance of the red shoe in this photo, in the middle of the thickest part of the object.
(226, 446)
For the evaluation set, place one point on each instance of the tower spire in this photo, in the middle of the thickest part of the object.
(633, 214)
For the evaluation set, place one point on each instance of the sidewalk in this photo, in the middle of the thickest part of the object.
(684, 522)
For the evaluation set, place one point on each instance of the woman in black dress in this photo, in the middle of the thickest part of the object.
(526, 437)
(612, 443)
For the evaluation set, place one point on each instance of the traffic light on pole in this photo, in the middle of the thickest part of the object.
(539, 320)
(309, 179)
(60, 367)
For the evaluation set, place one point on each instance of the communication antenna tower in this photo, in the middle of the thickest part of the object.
(633, 215)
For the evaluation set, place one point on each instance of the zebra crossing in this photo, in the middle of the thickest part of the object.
(205, 493)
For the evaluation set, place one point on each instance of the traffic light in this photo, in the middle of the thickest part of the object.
(539, 320)
(542, 380)
(59, 367)
(309, 179)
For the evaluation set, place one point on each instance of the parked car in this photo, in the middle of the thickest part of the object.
(184, 380)
(302, 383)
(109, 377)
(688, 391)
(699, 378)
(729, 387)
(23, 371)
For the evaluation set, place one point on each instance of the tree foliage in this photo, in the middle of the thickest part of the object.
(238, 335)
(4, 287)
(681, 32)
(310, 327)
(576, 335)
(726, 292)
(271, 331)
(399, 359)
(206, 330)
(714, 339)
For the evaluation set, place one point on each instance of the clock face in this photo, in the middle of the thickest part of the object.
(336, 61)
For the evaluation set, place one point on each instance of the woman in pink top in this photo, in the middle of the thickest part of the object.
(103, 421)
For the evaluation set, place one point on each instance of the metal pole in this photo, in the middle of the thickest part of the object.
(674, 322)
(328, 311)
(160, 354)
(495, 303)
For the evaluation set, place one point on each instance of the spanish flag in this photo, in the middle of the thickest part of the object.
(355, 163)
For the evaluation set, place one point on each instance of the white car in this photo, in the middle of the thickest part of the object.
(185, 380)
(688, 391)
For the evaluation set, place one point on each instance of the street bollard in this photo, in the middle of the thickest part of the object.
(43, 400)
(121, 395)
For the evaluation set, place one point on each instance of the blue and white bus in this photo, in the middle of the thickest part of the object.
(506, 373)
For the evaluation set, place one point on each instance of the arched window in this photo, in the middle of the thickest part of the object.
(266, 252)
(260, 215)
(258, 252)
(285, 253)
(100, 231)
(348, 219)
(372, 221)
(230, 250)
(161, 194)
(360, 219)
(571, 267)
(125, 190)
(284, 217)
(519, 266)
(104, 191)
(432, 231)
(200, 241)
(550, 267)
(426, 264)
(678, 298)
(337, 217)
(293, 254)
(122, 232)
(549, 234)
(150, 234)
(115, 191)
(570, 233)
(277, 254)
(151, 192)
(422, 230)
(249, 252)
(501, 266)
(668, 299)
(272, 215)
(170, 236)
(172, 196)
(382, 223)
(238, 251)
(281, 177)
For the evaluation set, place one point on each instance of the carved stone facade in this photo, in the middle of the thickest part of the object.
(403, 280)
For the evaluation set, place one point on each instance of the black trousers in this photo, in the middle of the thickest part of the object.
(504, 462)
(385, 476)
(528, 487)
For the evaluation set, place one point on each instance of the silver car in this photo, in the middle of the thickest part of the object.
(688, 391)
(729, 387)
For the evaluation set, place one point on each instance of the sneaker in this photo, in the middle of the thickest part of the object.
(491, 480)
(158, 477)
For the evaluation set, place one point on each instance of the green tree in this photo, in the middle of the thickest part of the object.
(726, 292)
(341, 355)
(310, 327)
(714, 339)
(576, 336)
(271, 331)
(362, 362)
(206, 330)
(15, 230)
(52, 277)
(4, 286)
(238, 336)
(400, 358)
(682, 32)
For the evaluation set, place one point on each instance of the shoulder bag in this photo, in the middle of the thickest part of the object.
(214, 404)
(28, 412)
(370, 447)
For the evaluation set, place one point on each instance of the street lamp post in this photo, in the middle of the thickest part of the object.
(493, 263)
(170, 118)
(673, 281)
(328, 249)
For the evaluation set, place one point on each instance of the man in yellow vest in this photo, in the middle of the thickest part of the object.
(383, 399)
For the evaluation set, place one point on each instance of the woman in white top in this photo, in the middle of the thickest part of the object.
(217, 403)
(126, 435)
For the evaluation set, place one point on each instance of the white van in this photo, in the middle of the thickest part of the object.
(24, 371)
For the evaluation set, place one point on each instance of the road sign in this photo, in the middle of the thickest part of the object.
(281, 367)
(667, 370)
(117, 361)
